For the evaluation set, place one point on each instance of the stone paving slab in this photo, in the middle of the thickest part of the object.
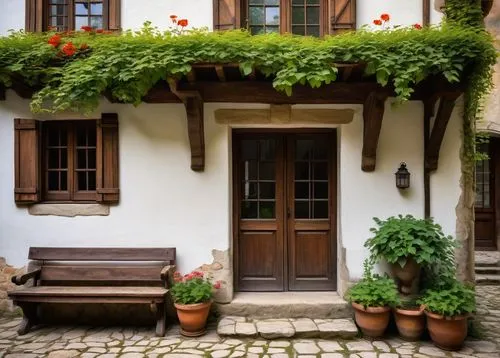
(234, 326)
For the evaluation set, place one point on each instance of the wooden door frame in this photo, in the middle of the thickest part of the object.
(333, 198)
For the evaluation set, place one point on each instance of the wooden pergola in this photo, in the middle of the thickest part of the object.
(225, 83)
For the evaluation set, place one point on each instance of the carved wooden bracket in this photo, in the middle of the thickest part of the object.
(446, 105)
(373, 113)
(194, 111)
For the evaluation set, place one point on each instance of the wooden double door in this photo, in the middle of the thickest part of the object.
(284, 210)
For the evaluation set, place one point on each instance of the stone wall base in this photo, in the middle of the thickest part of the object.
(6, 272)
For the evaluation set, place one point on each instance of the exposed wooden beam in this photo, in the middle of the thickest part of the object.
(426, 12)
(220, 73)
(446, 105)
(373, 113)
(196, 133)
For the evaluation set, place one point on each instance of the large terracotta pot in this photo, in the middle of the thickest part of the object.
(406, 274)
(447, 332)
(373, 321)
(410, 322)
(193, 318)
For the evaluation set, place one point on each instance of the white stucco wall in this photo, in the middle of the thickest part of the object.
(199, 12)
(164, 203)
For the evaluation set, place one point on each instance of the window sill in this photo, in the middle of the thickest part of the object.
(69, 210)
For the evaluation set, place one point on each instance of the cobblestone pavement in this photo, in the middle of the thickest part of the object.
(65, 342)
(90, 342)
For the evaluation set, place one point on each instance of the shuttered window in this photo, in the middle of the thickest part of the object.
(64, 15)
(300, 17)
(66, 161)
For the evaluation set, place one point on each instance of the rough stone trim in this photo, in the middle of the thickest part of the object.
(283, 114)
(69, 210)
(221, 270)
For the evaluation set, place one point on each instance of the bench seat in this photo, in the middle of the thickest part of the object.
(96, 275)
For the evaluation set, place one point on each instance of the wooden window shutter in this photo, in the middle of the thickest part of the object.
(107, 188)
(34, 15)
(114, 15)
(27, 176)
(226, 14)
(343, 15)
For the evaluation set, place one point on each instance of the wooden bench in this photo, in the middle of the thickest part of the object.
(96, 275)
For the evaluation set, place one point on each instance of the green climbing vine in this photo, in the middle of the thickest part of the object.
(71, 71)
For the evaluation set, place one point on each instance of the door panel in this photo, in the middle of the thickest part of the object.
(310, 187)
(284, 188)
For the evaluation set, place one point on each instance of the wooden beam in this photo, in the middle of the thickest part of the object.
(196, 133)
(426, 12)
(446, 105)
(373, 113)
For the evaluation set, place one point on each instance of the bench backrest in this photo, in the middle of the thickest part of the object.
(90, 266)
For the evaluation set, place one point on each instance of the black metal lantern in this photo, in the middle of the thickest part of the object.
(402, 177)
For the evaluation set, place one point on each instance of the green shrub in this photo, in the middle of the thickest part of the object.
(453, 300)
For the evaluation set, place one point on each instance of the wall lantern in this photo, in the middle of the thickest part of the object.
(402, 177)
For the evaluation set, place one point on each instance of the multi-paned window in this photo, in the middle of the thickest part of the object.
(484, 179)
(63, 15)
(299, 17)
(69, 158)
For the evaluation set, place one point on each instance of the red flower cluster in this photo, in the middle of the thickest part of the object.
(69, 49)
(182, 22)
(383, 18)
(417, 26)
(54, 40)
(190, 276)
(86, 28)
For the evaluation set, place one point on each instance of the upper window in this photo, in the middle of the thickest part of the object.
(69, 160)
(63, 15)
(484, 179)
(300, 17)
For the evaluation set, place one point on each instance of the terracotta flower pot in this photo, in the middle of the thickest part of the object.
(410, 322)
(406, 274)
(447, 332)
(373, 321)
(193, 318)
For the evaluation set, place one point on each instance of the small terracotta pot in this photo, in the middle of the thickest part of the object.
(373, 321)
(410, 323)
(193, 318)
(447, 332)
(406, 274)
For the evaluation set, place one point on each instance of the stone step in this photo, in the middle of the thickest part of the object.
(487, 258)
(287, 305)
(485, 280)
(235, 326)
(487, 270)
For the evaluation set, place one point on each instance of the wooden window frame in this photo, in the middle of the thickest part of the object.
(286, 16)
(71, 15)
(72, 194)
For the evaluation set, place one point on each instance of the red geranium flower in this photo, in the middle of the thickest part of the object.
(377, 22)
(69, 49)
(54, 40)
(86, 28)
(417, 26)
(182, 22)
(385, 17)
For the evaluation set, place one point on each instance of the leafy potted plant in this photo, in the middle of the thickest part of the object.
(410, 320)
(192, 295)
(447, 309)
(372, 299)
(406, 243)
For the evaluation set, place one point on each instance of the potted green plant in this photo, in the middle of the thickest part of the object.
(410, 320)
(407, 243)
(447, 309)
(192, 295)
(372, 299)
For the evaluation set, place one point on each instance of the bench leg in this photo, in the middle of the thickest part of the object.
(29, 317)
(161, 319)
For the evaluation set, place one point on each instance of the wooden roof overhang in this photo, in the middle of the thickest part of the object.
(225, 83)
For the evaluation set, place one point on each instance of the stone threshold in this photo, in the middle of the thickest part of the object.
(271, 305)
(234, 326)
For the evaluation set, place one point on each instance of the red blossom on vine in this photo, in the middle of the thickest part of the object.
(417, 26)
(182, 22)
(377, 22)
(385, 17)
(173, 18)
(54, 40)
(69, 49)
